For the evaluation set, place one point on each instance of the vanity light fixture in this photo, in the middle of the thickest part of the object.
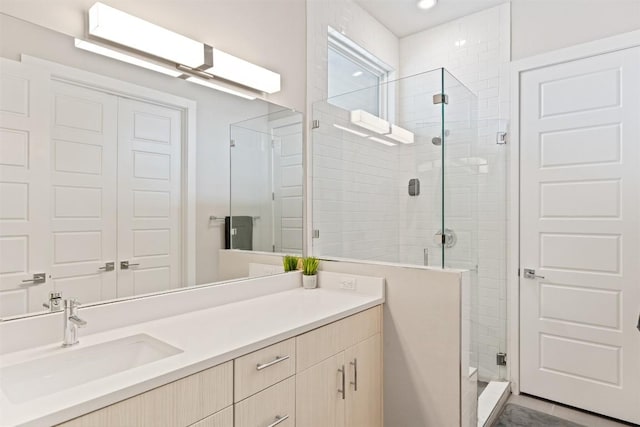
(101, 50)
(426, 4)
(369, 121)
(382, 141)
(121, 28)
(210, 84)
(401, 135)
(229, 67)
(355, 132)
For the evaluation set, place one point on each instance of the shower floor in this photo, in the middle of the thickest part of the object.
(481, 386)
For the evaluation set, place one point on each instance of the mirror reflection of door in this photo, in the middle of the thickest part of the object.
(109, 173)
(287, 189)
(267, 183)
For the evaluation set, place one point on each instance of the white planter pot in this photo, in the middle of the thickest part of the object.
(310, 282)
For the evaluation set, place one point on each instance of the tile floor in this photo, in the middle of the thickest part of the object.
(571, 416)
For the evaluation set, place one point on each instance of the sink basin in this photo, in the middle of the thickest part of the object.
(65, 369)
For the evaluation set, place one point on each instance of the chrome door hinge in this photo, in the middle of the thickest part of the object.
(316, 234)
(501, 138)
(501, 359)
(232, 143)
(273, 196)
(441, 98)
(315, 124)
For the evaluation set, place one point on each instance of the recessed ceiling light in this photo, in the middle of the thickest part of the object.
(357, 74)
(427, 4)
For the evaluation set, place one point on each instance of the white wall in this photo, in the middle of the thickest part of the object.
(540, 26)
(270, 33)
(215, 111)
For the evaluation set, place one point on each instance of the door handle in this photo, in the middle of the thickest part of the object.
(37, 278)
(342, 390)
(531, 274)
(124, 265)
(108, 266)
(638, 326)
(354, 383)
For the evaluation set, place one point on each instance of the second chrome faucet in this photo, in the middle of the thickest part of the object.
(71, 322)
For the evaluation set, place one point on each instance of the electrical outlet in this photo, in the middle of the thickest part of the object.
(348, 283)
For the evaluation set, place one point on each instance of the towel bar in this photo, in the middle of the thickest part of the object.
(218, 218)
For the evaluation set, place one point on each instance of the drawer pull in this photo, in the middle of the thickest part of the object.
(261, 366)
(279, 420)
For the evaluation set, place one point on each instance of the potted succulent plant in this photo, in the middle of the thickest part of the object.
(290, 263)
(309, 272)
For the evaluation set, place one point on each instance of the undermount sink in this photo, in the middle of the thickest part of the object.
(71, 367)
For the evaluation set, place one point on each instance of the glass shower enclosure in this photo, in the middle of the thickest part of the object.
(396, 170)
(395, 173)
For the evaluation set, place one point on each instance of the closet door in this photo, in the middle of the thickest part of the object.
(149, 200)
(24, 175)
(83, 192)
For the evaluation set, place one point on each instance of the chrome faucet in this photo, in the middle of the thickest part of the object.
(71, 322)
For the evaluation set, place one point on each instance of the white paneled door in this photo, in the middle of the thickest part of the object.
(580, 232)
(287, 188)
(24, 197)
(149, 203)
(84, 144)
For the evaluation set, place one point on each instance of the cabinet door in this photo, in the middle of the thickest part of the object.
(364, 384)
(319, 399)
(223, 418)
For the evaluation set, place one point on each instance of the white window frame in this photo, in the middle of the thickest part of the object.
(364, 59)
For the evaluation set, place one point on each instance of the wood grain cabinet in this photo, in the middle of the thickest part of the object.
(344, 389)
(180, 403)
(328, 377)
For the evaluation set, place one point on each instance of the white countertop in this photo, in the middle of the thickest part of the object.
(206, 337)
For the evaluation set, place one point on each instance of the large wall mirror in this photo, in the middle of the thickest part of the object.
(116, 181)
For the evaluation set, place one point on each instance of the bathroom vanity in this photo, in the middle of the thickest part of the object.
(273, 354)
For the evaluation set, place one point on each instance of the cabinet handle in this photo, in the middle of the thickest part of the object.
(278, 359)
(355, 374)
(278, 420)
(342, 391)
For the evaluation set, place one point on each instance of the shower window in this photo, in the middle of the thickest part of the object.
(352, 68)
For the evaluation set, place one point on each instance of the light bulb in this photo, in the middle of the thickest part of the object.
(426, 4)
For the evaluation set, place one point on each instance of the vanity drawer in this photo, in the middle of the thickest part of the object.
(269, 406)
(223, 418)
(326, 341)
(260, 369)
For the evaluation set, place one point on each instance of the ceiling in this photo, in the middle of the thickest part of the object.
(403, 17)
